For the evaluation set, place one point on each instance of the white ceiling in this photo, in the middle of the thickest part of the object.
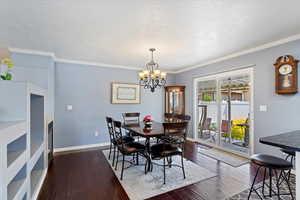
(120, 32)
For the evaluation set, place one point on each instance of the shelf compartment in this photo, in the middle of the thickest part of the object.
(11, 130)
(15, 149)
(17, 186)
(36, 174)
(37, 122)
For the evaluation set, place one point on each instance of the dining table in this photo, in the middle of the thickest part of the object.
(289, 141)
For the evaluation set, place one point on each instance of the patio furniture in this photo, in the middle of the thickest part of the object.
(273, 165)
(225, 128)
(244, 143)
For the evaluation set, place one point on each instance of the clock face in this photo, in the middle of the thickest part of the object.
(285, 69)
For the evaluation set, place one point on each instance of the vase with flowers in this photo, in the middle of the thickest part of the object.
(5, 69)
(148, 121)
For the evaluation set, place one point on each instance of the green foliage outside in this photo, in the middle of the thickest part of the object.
(237, 132)
(207, 97)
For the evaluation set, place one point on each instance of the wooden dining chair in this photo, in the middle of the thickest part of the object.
(174, 147)
(126, 148)
(183, 117)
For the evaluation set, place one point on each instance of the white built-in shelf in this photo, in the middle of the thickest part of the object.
(15, 167)
(36, 176)
(13, 156)
(36, 156)
(35, 145)
(23, 141)
(15, 189)
(11, 130)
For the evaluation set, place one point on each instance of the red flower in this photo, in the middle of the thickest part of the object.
(148, 118)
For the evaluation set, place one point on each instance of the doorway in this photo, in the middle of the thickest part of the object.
(223, 110)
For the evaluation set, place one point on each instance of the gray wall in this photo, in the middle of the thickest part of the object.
(88, 90)
(283, 110)
(39, 70)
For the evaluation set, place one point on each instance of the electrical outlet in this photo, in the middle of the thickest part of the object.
(263, 108)
(96, 133)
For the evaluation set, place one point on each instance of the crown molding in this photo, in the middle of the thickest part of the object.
(33, 52)
(234, 55)
(79, 62)
(244, 52)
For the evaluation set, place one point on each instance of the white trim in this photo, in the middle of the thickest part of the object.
(79, 62)
(33, 52)
(216, 76)
(73, 148)
(244, 52)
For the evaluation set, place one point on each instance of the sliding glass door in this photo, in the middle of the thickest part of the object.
(223, 110)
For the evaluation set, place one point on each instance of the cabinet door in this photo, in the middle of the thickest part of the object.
(175, 100)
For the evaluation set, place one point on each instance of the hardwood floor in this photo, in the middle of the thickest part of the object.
(87, 176)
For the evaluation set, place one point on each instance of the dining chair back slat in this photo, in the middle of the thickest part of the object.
(109, 122)
(183, 117)
(178, 129)
(131, 118)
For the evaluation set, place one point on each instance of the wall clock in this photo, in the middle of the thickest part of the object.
(286, 75)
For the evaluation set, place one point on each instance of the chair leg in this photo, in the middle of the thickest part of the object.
(264, 180)
(270, 184)
(122, 167)
(110, 147)
(253, 183)
(182, 165)
(114, 156)
(164, 170)
(288, 183)
(277, 184)
(117, 160)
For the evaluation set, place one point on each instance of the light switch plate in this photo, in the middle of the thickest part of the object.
(263, 108)
(69, 107)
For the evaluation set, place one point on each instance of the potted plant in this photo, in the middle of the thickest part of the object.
(5, 69)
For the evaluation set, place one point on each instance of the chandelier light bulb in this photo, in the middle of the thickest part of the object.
(141, 75)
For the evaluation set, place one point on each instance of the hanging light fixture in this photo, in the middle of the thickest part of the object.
(152, 78)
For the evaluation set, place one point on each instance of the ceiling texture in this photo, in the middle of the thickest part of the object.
(118, 32)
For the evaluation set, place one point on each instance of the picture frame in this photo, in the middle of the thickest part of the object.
(125, 93)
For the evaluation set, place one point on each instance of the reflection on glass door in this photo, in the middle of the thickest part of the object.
(223, 109)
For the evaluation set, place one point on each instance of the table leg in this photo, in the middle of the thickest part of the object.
(148, 154)
(297, 175)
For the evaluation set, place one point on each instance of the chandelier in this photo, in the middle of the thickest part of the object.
(152, 78)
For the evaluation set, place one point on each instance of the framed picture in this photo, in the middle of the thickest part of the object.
(125, 93)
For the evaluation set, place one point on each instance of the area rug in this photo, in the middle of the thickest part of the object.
(283, 189)
(228, 158)
(139, 185)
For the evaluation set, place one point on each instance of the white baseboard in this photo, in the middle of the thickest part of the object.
(73, 148)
